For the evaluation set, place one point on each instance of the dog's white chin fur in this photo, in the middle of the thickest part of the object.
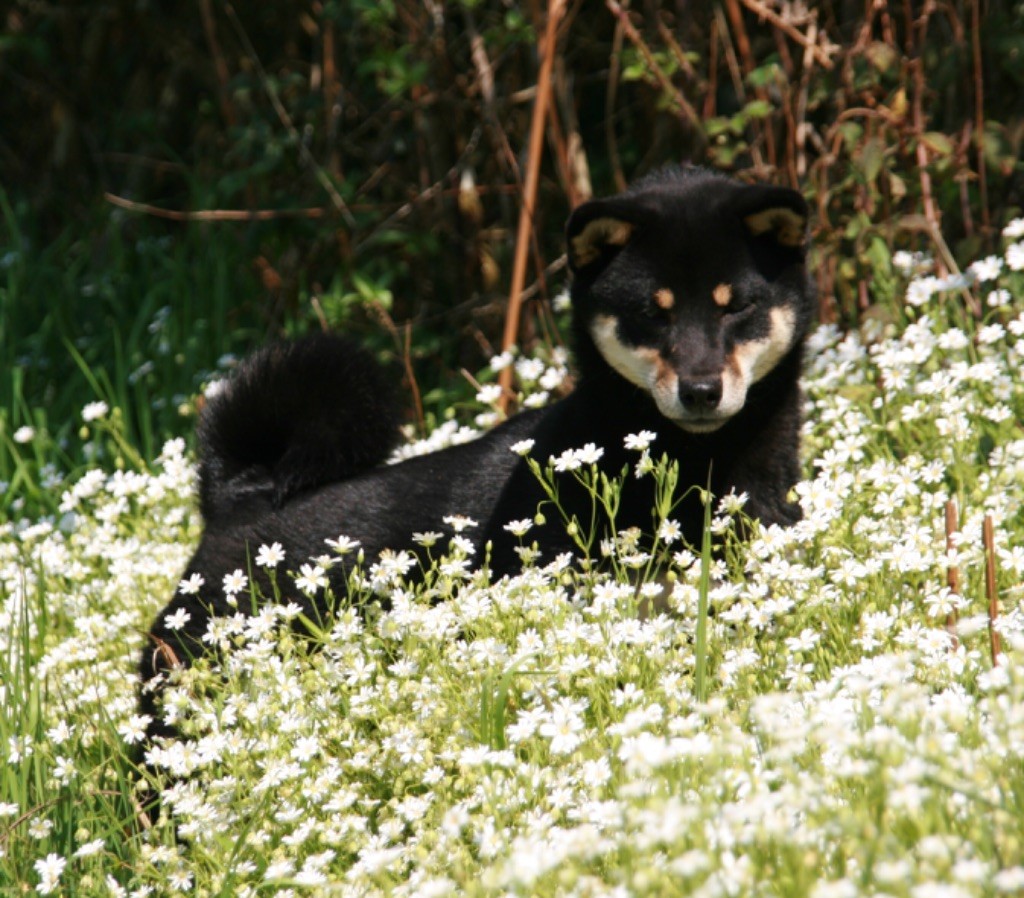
(700, 425)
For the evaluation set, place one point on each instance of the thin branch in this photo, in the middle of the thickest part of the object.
(556, 8)
(805, 41)
(321, 176)
(614, 66)
(749, 64)
(666, 83)
(216, 214)
(979, 112)
(219, 65)
(485, 81)
(952, 572)
(436, 189)
(991, 590)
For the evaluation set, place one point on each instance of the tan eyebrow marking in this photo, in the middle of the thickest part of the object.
(722, 294)
(664, 298)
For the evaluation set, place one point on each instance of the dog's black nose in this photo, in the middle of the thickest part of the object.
(700, 394)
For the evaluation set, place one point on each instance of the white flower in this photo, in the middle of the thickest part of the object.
(311, 578)
(907, 263)
(1015, 256)
(986, 269)
(489, 394)
(523, 447)
(191, 584)
(177, 620)
(215, 388)
(459, 522)
(529, 369)
(996, 299)
(1014, 230)
(90, 848)
(134, 729)
(553, 378)
(270, 556)
(49, 869)
(95, 410)
(180, 880)
(670, 531)
(24, 434)
(502, 360)
(589, 454)
(519, 528)
(567, 461)
(1011, 879)
(40, 827)
(991, 333)
(282, 869)
(235, 582)
(305, 748)
(921, 290)
(645, 466)
(342, 545)
(563, 726)
(640, 441)
(732, 502)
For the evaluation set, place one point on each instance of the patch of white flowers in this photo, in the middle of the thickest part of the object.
(539, 736)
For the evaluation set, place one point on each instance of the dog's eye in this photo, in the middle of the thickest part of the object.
(739, 307)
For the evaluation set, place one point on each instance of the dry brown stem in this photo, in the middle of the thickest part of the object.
(952, 572)
(991, 590)
(556, 9)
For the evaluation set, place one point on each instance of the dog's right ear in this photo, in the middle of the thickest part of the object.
(598, 229)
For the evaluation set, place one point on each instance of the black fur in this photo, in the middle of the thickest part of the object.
(290, 450)
(295, 416)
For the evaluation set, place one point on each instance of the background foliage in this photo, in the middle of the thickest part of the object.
(181, 182)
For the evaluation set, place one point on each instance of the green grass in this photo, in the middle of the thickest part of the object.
(118, 312)
(817, 715)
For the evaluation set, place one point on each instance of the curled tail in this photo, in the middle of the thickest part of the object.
(296, 415)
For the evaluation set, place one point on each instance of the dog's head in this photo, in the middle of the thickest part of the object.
(693, 287)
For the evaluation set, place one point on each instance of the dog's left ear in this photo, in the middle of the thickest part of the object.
(599, 229)
(776, 212)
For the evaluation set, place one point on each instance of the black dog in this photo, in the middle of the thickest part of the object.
(690, 300)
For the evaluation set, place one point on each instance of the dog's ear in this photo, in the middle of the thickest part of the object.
(775, 212)
(600, 228)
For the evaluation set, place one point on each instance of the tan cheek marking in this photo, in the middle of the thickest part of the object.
(664, 373)
(664, 299)
(722, 294)
(754, 359)
(635, 363)
(734, 384)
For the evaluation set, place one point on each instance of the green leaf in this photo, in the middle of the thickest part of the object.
(872, 155)
(757, 109)
(938, 143)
